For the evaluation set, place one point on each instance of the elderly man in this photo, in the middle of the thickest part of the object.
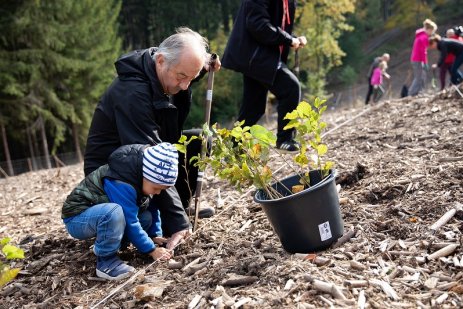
(385, 57)
(147, 103)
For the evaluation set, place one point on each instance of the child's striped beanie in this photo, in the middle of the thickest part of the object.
(160, 164)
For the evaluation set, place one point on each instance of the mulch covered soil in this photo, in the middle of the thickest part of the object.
(400, 169)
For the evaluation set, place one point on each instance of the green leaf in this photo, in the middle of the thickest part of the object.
(4, 241)
(180, 148)
(8, 275)
(182, 139)
(263, 135)
(304, 109)
(12, 252)
(322, 149)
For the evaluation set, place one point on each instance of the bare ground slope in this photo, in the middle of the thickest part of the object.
(400, 169)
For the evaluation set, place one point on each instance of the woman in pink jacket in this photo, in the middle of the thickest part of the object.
(419, 58)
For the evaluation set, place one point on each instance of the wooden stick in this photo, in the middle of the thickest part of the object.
(356, 283)
(172, 264)
(443, 252)
(362, 300)
(191, 263)
(194, 268)
(357, 265)
(194, 301)
(343, 239)
(450, 159)
(443, 220)
(386, 288)
(240, 281)
(330, 288)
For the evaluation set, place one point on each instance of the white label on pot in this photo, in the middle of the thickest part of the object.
(325, 231)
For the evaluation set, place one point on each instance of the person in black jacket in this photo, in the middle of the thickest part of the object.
(148, 103)
(446, 46)
(258, 47)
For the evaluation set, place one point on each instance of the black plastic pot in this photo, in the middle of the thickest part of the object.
(309, 220)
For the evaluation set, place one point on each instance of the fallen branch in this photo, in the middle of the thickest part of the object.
(330, 288)
(343, 239)
(356, 283)
(194, 268)
(450, 159)
(241, 280)
(443, 252)
(386, 288)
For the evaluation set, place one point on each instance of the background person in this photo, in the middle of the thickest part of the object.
(446, 46)
(258, 47)
(385, 57)
(448, 61)
(148, 103)
(377, 81)
(419, 56)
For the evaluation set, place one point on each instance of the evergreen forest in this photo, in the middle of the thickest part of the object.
(57, 56)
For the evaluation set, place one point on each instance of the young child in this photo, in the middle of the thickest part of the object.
(377, 80)
(113, 203)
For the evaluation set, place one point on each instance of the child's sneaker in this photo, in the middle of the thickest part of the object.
(112, 268)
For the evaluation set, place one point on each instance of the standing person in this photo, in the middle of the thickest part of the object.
(419, 56)
(148, 103)
(385, 57)
(376, 81)
(446, 46)
(448, 61)
(258, 47)
(113, 203)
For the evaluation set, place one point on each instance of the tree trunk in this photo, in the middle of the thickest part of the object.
(7, 151)
(75, 133)
(35, 143)
(44, 143)
(31, 148)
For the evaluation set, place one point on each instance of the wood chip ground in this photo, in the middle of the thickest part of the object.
(400, 172)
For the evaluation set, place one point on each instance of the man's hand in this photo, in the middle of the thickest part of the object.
(214, 64)
(159, 240)
(162, 254)
(434, 66)
(302, 41)
(299, 42)
(177, 238)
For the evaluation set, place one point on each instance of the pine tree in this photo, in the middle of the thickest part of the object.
(56, 58)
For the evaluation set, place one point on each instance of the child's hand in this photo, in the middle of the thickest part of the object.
(159, 240)
(162, 254)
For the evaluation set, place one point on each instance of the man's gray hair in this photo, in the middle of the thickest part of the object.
(172, 47)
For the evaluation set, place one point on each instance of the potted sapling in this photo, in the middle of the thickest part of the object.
(303, 208)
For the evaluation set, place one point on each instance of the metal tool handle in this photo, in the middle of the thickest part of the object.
(207, 118)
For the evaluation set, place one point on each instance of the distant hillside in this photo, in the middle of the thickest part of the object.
(398, 43)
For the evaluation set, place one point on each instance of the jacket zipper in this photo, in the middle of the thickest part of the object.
(254, 54)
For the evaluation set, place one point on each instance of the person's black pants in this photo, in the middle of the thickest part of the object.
(455, 74)
(286, 89)
(187, 172)
(369, 92)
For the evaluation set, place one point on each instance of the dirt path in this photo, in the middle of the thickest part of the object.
(400, 169)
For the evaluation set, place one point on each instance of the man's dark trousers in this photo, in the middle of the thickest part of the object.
(286, 89)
